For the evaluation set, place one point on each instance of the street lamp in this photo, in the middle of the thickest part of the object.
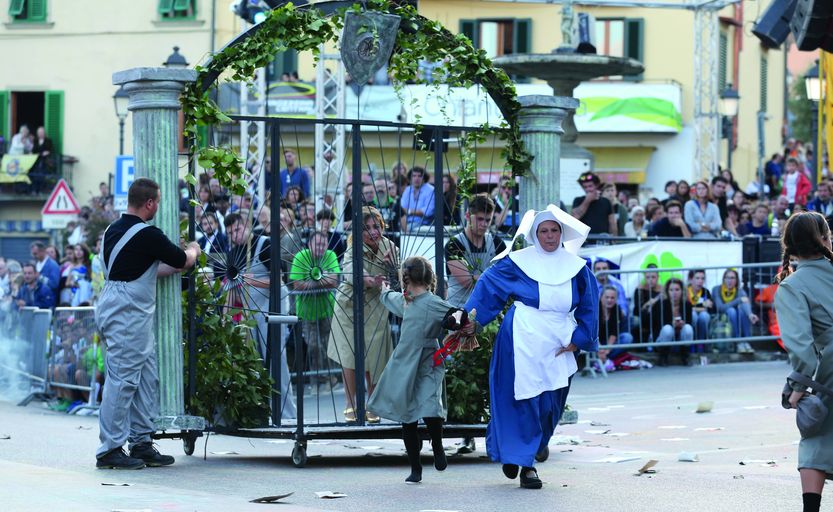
(120, 101)
(176, 60)
(812, 83)
(729, 103)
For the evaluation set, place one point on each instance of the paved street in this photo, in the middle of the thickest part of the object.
(625, 420)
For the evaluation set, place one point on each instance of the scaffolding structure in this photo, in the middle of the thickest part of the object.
(330, 99)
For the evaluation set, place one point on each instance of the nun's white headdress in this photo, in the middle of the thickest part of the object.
(545, 267)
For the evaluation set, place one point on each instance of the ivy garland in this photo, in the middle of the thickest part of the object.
(305, 29)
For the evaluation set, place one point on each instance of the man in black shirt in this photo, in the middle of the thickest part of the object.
(470, 253)
(719, 184)
(672, 225)
(593, 209)
(131, 254)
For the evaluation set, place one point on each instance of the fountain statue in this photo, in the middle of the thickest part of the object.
(564, 69)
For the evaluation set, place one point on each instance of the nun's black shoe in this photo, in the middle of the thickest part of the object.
(529, 479)
(511, 471)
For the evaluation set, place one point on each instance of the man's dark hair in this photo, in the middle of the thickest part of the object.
(673, 204)
(670, 182)
(231, 218)
(40, 245)
(718, 179)
(419, 170)
(325, 214)
(481, 203)
(29, 264)
(141, 190)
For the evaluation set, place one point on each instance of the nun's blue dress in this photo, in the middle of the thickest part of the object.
(524, 417)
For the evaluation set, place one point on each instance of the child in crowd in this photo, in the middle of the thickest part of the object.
(410, 387)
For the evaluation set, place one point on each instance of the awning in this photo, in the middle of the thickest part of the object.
(622, 164)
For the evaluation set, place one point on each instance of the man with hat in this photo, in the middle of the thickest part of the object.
(592, 209)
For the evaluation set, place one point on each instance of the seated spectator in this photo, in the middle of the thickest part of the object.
(823, 202)
(731, 300)
(670, 191)
(733, 220)
(613, 327)
(672, 225)
(654, 213)
(701, 215)
(604, 279)
(636, 227)
(648, 293)
(91, 369)
(683, 192)
(593, 209)
(315, 271)
(700, 301)
(673, 319)
(33, 292)
(759, 224)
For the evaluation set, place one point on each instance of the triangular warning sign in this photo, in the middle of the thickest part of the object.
(61, 201)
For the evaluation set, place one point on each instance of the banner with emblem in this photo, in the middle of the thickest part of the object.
(15, 168)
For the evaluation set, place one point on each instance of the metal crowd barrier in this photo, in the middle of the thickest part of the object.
(34, 329)
(76, 357)
(716, 325)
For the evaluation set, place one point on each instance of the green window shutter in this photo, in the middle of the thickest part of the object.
(521, 41)
(634, 43)
(53, 114)
(469, 29)
(166, 7)
(723, 59)
(16, 7)
(37, 10)
(522, 35)
(202, 136)
(4, 115)
(182, 5)
(764, 79)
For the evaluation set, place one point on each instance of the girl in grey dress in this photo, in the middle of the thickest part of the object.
(410, 387)
(804, 302)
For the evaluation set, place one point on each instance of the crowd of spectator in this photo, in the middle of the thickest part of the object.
(42, 174)
(708, 209)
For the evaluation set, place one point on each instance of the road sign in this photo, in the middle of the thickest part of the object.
(60, 208)
(124, 177)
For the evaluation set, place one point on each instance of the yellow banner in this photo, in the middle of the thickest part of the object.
(15, 168)
(826, 70)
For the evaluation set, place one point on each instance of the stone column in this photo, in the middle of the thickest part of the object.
(541, 129)
(154, 100)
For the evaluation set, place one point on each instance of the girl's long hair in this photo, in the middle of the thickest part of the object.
(804, 237)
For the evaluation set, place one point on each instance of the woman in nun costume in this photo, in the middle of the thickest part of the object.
(554, 314)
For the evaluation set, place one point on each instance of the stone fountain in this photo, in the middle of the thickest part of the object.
(564, 69)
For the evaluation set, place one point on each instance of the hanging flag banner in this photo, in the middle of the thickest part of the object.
(15, 168)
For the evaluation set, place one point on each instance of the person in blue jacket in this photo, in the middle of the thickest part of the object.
(46, 266)
(33, 292)
(535, 351)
